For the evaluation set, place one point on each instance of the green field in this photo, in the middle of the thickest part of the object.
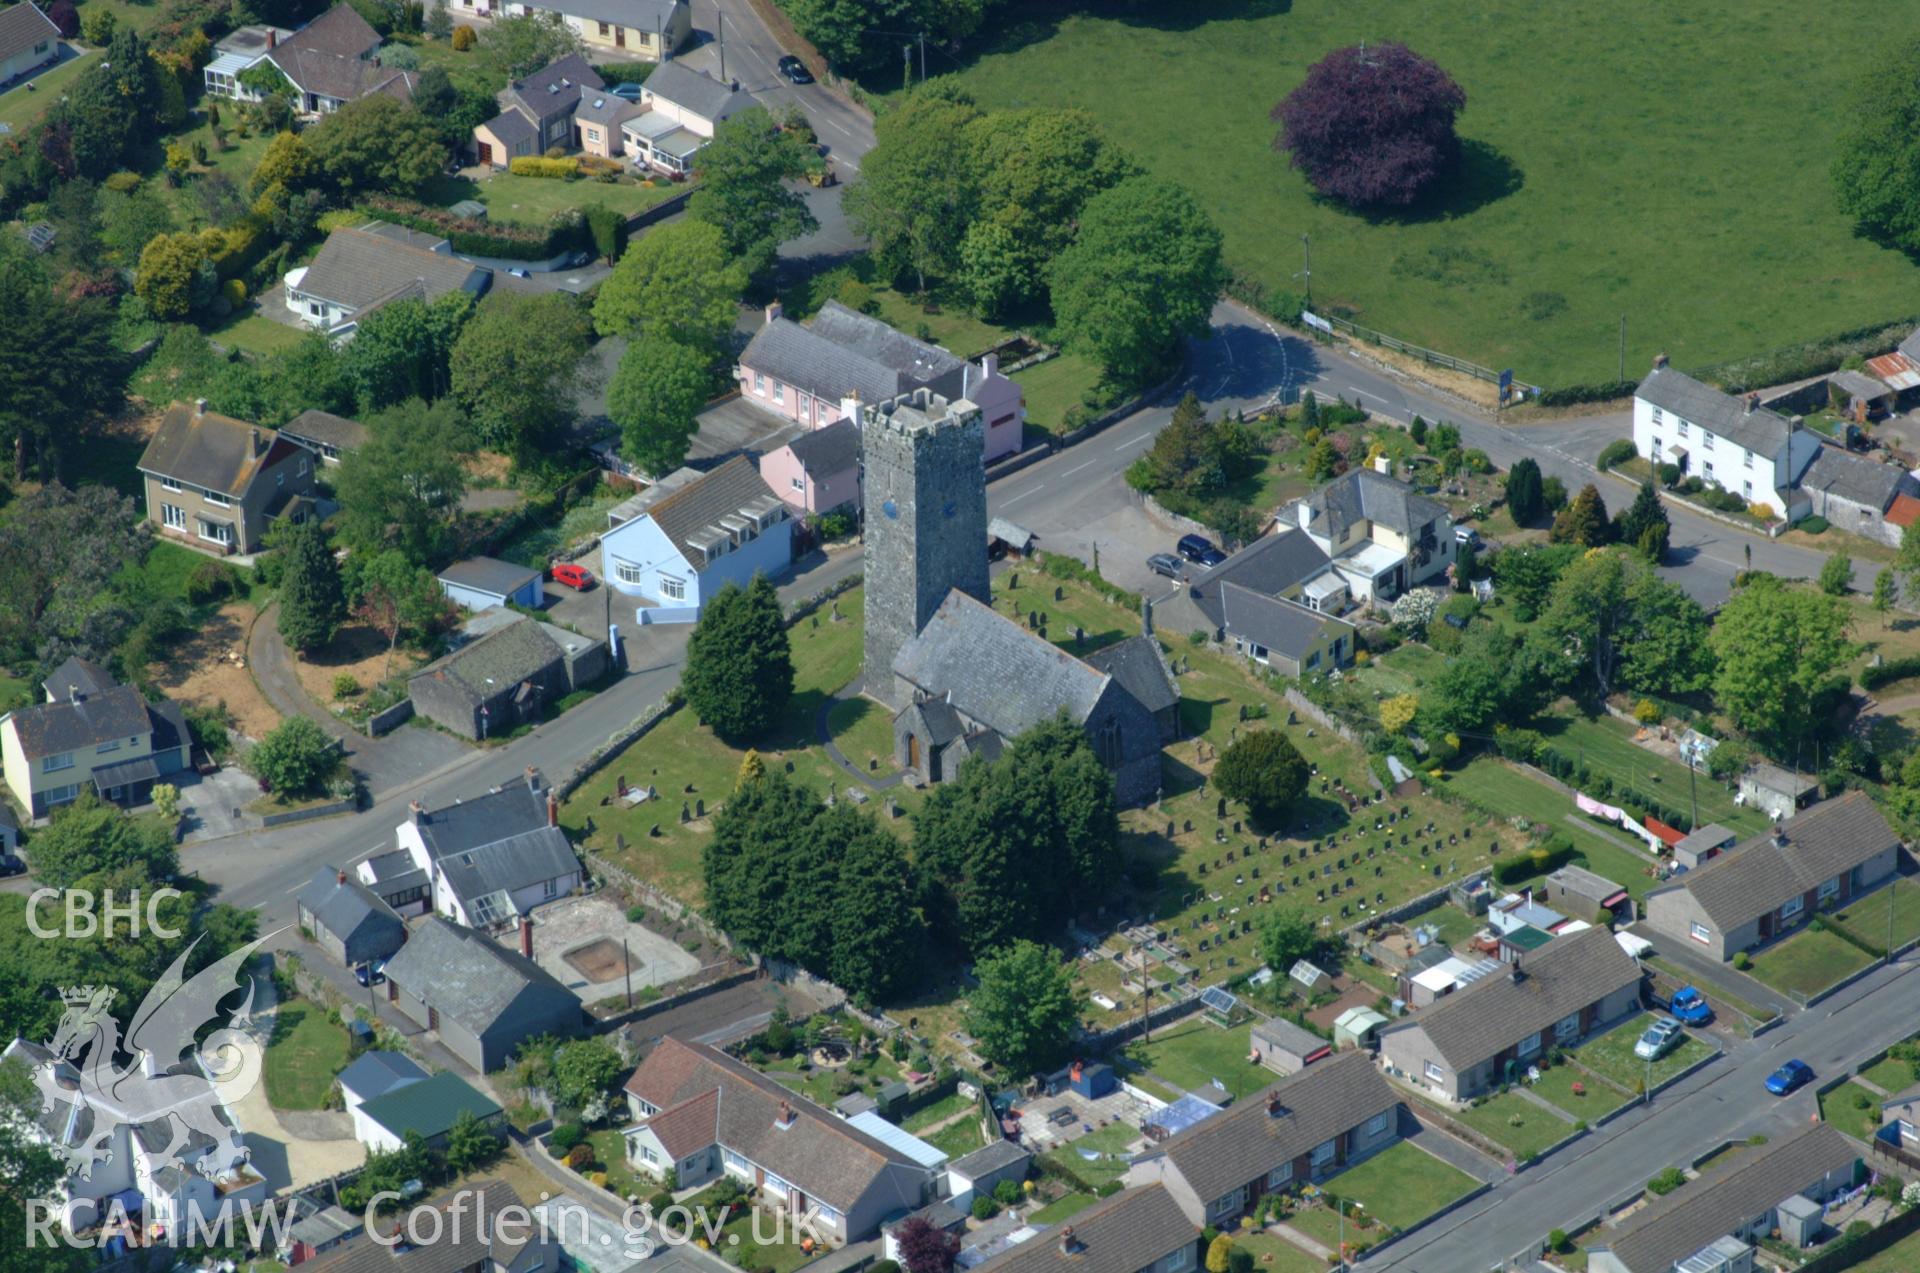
(253, 333)
(1891, 1073)
(1605, 745)
(1578, 199)
(304, 1054)
(1402, 1185)
(1808, 962)
(19, 108)
(1612, 1055)
(1492, 782)
(1276, 1255)
(1053, 386)
(1110, 1143)
(864, 733)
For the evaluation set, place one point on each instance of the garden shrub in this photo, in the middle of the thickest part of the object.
(1666, 1182)
(508, 239)
(1573, 395)
(1617, 451)
(1872, 678)
(983, 1207)
(1743, 961)
(540, 166)
(463, 38)
(565, 1137)
(1814, 525)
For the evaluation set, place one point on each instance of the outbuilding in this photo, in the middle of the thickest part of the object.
(480, 583)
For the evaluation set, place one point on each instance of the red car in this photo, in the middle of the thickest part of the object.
(575, 576)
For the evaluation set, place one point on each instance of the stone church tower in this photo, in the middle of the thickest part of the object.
(925, 498)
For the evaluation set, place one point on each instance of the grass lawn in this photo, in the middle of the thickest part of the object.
(1063, 1208)
(1109, 1143)
(1605, 745)
(863, 731)
(1853, 1109)
(1891, 1073)
(19, 108)
(1515, 1122)
(1402, 1185)
(306, 1051)
(534, 200)
(1902, 1257)
(1612, 1054)
(252, 332)
(141, 17)
(1506, 791)
(1808, 962)
(1593, 1102)
(736, 1242)
(1277, 1255)
(610, 1153)
(941, 1110)
(1052, 386)
(1538, 245)
(1866, 918)
(957, 1139)
(1194, 1053)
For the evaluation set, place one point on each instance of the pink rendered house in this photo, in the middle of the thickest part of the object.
(818, 471)
(817, 373)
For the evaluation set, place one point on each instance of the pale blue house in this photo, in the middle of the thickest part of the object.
(727, 525)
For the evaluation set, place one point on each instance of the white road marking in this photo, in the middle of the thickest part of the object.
(1076, 468)
(1023, 495)
(1144, 437)
(1376, 397)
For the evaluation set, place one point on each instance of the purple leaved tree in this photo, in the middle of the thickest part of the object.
(1372, 126)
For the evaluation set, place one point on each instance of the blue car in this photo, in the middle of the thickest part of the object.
(1788, 1077)
(1690, 1006)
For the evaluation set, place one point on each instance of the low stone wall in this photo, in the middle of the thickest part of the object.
(672, 907)
(1122, 411)
(615, 744)
(666, 1003)
(1173, 521)
(393, 718)
(349, 805)
(659, 211)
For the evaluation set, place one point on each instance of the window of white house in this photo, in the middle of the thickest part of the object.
(1280, 1175)
(1434, 1072)
(62, 795)
(174, 516)
(552, 888)
(647, 1153)
(1656, 447)
(626, 571)
(316, 309)
(1829, 888)
(113, 744)
(1313, 660)
(1529, 1046)
(1907, 1131)
(605, 31)
(1700, 933)
(673, 589)
(1683, 428)
(1746, 458)
(1706, 440)
(1792, 906)
(169, 484)
(1706, 470)
(593, 134)
(1746, 489)
(1377, 1124)
(1323, 1154)
(736, 1162)
(1658, 415)
(56, 762)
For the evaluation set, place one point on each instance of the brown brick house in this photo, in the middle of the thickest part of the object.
(214, 483)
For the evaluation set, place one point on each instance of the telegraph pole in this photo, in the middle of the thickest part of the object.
(1306, 241)
(923, 57)
(720, 38)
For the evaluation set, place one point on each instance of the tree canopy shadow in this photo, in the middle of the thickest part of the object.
(1480, 176)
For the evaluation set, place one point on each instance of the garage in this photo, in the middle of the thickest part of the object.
(481, 583)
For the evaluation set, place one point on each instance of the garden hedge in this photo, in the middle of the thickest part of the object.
(509, 240)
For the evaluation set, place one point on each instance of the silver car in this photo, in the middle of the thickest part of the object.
(1661, 1038)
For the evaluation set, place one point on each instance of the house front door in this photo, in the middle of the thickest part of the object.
(486, 154)
(620, 37)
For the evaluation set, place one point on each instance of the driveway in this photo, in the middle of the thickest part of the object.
(213, 806)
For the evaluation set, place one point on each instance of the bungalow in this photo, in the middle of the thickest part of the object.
(359, 270)
(725, 527)
(480, 583)
(680, 110)
(817, 373)
(1775, 882)
(1382, 536)
(1713, 1222)
(536, 113)
(1284, 635)
(427, 1109)
(1304, 1128)
(507, 678)
(974, 679)
(984, 1168)
(91, 732)
(1135, 1231)
(331, 61)
(702, 1114)
(214, 483)
(327, 435)
(28, 41)
(483, 1228)
(1484, 1034)
(818, 471)
(373, 1075)
(348, 920)
(628, 30)
(490, 860)
(481, 1000)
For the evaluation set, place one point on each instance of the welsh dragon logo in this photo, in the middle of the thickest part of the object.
(173, 1084)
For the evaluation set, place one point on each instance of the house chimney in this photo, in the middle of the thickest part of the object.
(989, 365)
(533, 780)
(1070, 1245)
(1518, 974)
(73, 693)
(774, 310)
(418, 812)
(339, 877)
(1146, 616)
(1659, 362)
(273, 38)
(553, 810)
(526, 936)
(1779, 836)
(253, 439)
(199, 406)
(1753, 403)
(785, 1117)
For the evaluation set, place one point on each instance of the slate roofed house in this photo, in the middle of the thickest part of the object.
(216, 483)
(631, 30)
(479, 998)
(483, 1229)
(1306, 1127)
(1775, 882)
(334, 60)
(506, 678)
(347, 920)
(1282, 564)
(396, 879)
(1733, 443)
(1478, 1037)
(974, 673)
(1138, 667)
(360, 269)
(1718, 1217)
(28, 41)
(373, 1074)
(819, 471)
(428, 1109)
(479, 583)
(1777, 792)
(816, 373)
(726, 526)
(536, 113)
(1134, 1231)
(704, 1114)
(491, 860)
(96, 735)
(1284, 635)
(1382, 536)
(1857, 494)
(681, 110)
(327, 435)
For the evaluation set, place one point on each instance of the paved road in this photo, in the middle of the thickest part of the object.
(1724, 1101)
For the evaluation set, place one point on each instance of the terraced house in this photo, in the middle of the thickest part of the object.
(1485, 1034)
(1771, 885)
(703, 1114)
(1304, 1128)
(1135, 1231)
(215, 483)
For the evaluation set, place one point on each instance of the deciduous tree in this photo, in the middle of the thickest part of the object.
(1836, 575)
(295, 757)
(404, 349)
(925, 1248)
(1037, 171)
(1024, 1012)
(378, 143)
(739, 671)
(520, 45)
(1776, 646)
(176, 275)
(743, 189)
(518, 365)
(1876, 163)
(1373, 125)
(90, 836)
(396, 598)
(59, 553)
(679, 282)
(912, 200)
(1288, 937)
(656, 397)
(402, 489)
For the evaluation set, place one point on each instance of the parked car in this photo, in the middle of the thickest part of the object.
(572, 574)
(795, 70)
(1466, 535)
(627, 92)
(371, 974)
(1789, 1076)
(1200, 550)
(1690, 1006)
(518, 272)
(1166, 564)
(11, 865)
(1660, 1038)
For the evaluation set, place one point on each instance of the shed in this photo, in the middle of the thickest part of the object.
(1093, 1081)
(1356, 1027)
(855, 1103)
(1004, 536)
(1522, 941)
(480, 583)
(1801, 1219)
(1780, 793)
(899, 1140)
(1859, 394)
(1282, 1046)
(1703, 843)
(981, 1170)
(470, 210)
(1585, 893)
